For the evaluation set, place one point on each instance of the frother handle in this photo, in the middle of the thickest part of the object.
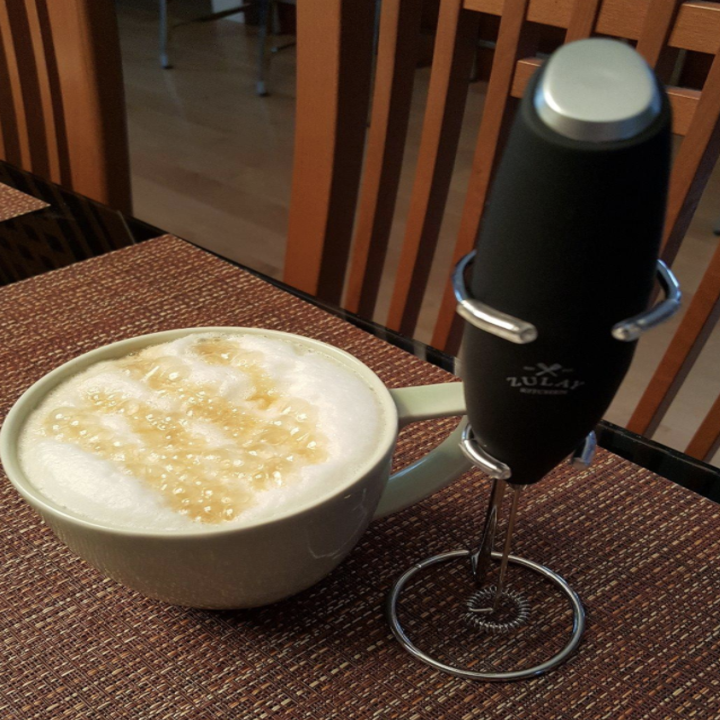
(568, 248)
(440, 466)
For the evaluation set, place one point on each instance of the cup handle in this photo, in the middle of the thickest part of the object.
(440, 466)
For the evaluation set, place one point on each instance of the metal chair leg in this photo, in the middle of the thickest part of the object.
(164, 57)
(263, 22)
(283, 46)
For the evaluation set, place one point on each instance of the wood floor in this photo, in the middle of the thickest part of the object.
(212, 163)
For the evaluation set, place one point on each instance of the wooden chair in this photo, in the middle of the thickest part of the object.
(338, 242)
(62, 108)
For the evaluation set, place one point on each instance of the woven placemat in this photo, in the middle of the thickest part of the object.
(642, 553)
(14, 203)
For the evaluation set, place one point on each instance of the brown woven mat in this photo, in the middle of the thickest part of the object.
(14, 203)
(642, 553)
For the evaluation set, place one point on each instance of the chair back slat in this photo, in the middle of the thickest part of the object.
(12, 111)
(50, 93)
(334, 56)
(9, 135)
(656, 29)
(487, 150)
(706, 441)
(684, 102)
(394, 78)
(62, 111)
(582, 20)
(28, 80)
(116, 107)
(616, 17)
(455, 50)
(698, 323)
(87, 52)
(697, 27)
(694, 163)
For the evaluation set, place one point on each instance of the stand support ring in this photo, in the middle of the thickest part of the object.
(554, 661)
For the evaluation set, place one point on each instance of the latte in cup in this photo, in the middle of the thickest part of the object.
(211, 429)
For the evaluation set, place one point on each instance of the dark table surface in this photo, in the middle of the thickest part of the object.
(74, 228)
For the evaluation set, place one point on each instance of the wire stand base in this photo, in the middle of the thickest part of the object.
(522, 674)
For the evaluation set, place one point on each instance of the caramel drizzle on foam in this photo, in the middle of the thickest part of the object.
(268, 435)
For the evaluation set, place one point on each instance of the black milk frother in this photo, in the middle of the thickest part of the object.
(555, 295)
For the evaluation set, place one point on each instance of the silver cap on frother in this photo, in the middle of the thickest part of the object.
(597, 91)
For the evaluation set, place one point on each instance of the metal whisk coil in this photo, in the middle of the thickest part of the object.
(479, 610)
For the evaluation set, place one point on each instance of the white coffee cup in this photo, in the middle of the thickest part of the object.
(256, 564)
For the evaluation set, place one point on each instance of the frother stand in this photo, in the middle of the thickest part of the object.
(483, 604)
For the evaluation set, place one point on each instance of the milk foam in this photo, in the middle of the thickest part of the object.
(303, 391)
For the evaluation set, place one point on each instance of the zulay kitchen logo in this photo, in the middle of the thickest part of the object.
(542, 379)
